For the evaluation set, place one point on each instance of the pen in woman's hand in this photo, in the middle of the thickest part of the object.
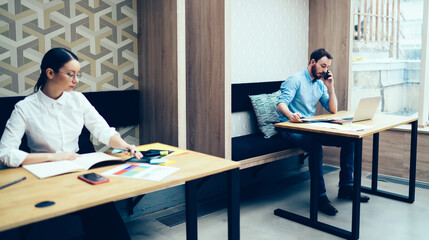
(136, 153)
(119, 150)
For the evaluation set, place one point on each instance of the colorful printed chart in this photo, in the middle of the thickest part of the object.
(141, 171)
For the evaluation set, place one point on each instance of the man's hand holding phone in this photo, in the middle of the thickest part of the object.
(326, 75)
(328, 79)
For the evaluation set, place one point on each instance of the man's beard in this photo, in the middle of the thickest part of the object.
(314, 73)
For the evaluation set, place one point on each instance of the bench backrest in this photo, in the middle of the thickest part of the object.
(243, 119)
(240, 93)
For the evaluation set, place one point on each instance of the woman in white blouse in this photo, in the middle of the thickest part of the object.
(52, 118)
(54, 115)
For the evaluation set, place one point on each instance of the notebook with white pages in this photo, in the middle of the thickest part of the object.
(82, 163)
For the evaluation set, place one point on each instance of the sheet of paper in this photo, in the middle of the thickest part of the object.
(49, 169)
(351, 127)
(141, 171)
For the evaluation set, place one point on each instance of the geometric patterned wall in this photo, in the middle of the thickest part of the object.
(102, 33)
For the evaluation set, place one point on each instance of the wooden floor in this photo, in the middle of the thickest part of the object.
(394, 154)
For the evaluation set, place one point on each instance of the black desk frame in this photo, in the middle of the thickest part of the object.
(233, 206)
(191, 188)
(357, 173)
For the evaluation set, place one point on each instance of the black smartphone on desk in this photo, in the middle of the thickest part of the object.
(93, 178)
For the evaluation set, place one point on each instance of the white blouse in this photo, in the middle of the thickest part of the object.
(51, 126)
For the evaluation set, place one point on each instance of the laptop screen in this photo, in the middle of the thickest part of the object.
(366, 108)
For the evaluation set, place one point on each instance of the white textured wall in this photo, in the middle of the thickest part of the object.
(269, 43)
(269, 39)
(243, 123)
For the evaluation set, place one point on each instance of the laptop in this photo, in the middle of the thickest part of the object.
(365, 111)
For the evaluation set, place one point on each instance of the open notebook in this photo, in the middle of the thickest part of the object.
(365, 111)
(82, 163)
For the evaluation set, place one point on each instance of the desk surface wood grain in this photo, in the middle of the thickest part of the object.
(17, 202)
(379, 123)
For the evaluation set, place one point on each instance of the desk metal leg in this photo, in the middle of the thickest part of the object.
(234, 204)
(191, 210)
(314, 187)
(412, 181)
(413, 163)
(375, 151)
(314, 194)
(357, 177)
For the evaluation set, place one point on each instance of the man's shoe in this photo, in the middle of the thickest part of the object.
(325, 206)
(346, 192)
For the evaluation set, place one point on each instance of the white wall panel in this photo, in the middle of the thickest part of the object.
(245, 123)
(269, 39)
(269, 43)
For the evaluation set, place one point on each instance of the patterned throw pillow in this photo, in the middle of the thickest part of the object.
(265, 107)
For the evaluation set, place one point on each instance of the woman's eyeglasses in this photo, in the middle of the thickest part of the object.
(72, 76)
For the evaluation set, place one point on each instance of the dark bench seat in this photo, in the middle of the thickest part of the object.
(253, 149)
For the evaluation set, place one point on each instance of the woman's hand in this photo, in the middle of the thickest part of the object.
(134, 151)
(117, 142)
(49, 157)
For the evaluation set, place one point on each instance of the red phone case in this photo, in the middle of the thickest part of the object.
(81, 177)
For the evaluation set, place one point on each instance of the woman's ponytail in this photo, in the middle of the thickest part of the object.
(41, 81)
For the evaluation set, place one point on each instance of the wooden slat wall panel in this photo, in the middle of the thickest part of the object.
(394, 155)
(330, 29)
(158, 73)
(423, 158)
(205, 76)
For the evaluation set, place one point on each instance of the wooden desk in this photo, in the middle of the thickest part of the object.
(71, 195)
(379, 123)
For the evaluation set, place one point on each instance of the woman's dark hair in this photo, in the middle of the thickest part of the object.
(54, 59)
(318, 54)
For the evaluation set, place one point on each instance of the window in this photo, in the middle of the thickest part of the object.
(387, 54)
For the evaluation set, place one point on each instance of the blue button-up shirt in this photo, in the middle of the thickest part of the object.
(301, 94)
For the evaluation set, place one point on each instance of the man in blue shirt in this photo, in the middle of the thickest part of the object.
(300, 94)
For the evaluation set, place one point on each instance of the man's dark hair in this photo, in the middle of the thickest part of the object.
(318, 54)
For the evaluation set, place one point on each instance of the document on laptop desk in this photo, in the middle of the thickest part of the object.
(337, 120)
(345, 118)
(317, 120)
(351, 127)
(141, 171)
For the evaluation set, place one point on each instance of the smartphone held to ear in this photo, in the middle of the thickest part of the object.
(326, 75)
(93, 178)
